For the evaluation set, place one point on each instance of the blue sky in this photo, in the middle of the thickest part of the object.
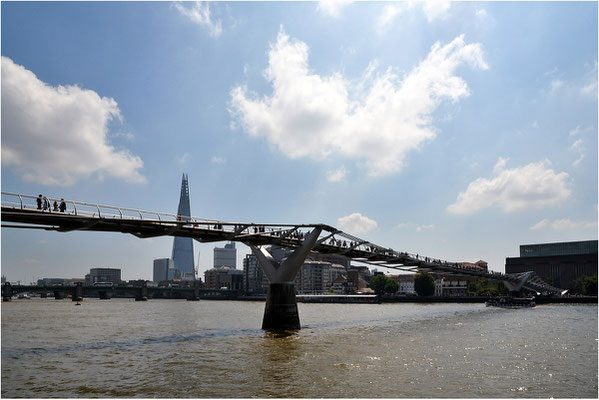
(454, 130)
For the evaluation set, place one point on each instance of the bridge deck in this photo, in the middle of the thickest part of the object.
(22, 209)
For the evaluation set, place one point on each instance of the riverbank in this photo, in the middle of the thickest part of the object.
(371, 299)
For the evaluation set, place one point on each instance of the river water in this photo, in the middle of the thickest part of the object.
(216, 349)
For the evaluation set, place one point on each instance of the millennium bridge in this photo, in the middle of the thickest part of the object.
(21, 211)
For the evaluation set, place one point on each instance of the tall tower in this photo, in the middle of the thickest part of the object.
(183, 246)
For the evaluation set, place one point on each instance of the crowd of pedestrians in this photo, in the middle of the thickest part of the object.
(44, 204)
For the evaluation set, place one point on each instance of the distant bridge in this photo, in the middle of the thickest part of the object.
(21, 211)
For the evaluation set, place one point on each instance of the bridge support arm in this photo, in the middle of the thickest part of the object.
(517, 286)
(281, 311)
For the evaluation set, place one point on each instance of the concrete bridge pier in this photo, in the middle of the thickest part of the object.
(6, 292)
(195, 296)
(78, 292)
(103, 295)
(280, 312)
(142, 294)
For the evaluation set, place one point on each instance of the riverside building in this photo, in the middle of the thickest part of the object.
(559, 263)
(225, 256)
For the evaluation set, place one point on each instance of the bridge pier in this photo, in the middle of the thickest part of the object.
(280, 312)
(142, 294)
(6, 292)
(195, 296)
(78, 292)
(103, 295)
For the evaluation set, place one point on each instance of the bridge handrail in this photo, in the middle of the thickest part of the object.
(344, 242)
(100, 207)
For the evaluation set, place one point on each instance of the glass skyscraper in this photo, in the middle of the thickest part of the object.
(183, 246)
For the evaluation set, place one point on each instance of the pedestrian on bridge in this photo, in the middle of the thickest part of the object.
(63, 205)
(39, 202)
(55, 206)
(46, 204)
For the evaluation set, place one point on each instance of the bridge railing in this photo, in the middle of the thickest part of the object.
(80, 208)
(345, 242)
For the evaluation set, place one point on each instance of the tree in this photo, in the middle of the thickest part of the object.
(424, 284)
(391, 286)
(586, 285)
(377, 283)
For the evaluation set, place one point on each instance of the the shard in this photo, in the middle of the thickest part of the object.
(183, 246)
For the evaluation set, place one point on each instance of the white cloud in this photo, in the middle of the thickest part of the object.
(567, 224)
(128, 136)
(500, 165)
(199, 13)
(417, 228)
(579, 130)
(332, 7)
(378, 120)
(184, 159)
(390, 12)
(540, 225)
(577, 162)
(564, 224)
(590, 88)
(422, 228)
(533, 186)
(556, 84)
(59, 135)
(337, 175)
(436, 9)
(356, 223)
(578, 145)
(218, 160)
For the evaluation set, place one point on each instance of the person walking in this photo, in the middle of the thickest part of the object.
(46, 204)
(39, 202)
(55, 206)
(63, 205)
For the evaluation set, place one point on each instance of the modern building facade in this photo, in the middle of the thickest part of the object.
(182, 255)
(224, 277)
(559, 264)
(164, 270)
(225, 256)
(109, 275)
(254, 278)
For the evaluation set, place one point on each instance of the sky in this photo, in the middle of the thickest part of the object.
(455, 130)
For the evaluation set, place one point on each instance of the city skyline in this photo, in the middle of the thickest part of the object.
(459, 131)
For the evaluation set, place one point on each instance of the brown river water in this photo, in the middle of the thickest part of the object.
(216, 349)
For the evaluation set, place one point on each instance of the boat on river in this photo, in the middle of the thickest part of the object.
(511, 302)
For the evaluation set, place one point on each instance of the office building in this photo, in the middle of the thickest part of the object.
(223, 278)
(254, 278)
(164, 270)
(96, 275)
(225, 256)
(559, 264)
(182, 255)
(313, 277)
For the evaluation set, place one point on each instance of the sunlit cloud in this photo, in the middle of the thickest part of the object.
(532, 186)
(199, 13)
(564, 224)
(356, 223)
(337, 175)
(376, 120)
(58, 135)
